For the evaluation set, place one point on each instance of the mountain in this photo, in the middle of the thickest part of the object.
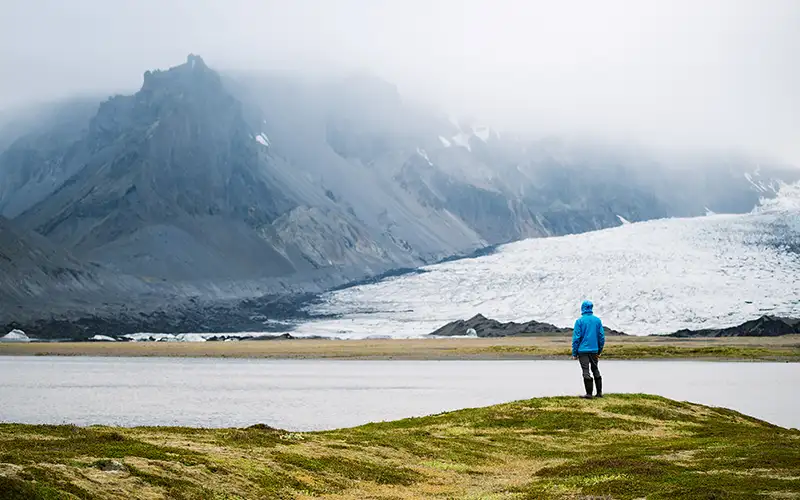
(167, 183)
(653, 277)
(222, 188)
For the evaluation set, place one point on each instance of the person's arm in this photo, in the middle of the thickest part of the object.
(601, 337)
(576, 338)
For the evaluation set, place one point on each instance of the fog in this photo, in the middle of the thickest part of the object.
(675, 74)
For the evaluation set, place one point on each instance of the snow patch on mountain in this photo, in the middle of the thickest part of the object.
(645, 278)
(424, 155)
(482, 133)
(758, 185)
(462, 139)
(445, 142)
(787, 200)
(263, 139)
(769, 186)
(623, 219)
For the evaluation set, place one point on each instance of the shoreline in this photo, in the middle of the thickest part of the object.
(753, 349)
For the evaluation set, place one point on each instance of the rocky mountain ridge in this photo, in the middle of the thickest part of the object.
(213, 189)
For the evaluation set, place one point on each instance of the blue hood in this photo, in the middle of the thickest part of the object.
(586, 307)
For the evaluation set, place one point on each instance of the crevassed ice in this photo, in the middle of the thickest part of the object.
(645, 278)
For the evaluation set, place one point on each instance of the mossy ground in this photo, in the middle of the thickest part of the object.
(621, 446)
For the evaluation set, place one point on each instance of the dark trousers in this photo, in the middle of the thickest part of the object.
(588, 360)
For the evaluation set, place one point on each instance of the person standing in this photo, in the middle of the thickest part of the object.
(588, 340)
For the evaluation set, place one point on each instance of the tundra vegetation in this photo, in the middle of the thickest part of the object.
(621, 446)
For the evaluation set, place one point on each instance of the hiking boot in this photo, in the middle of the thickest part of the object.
(598, 382)
(587, 383)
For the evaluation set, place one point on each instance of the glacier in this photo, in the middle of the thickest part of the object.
(650, 277)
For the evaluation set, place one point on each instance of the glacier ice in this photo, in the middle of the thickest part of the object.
(644, 278)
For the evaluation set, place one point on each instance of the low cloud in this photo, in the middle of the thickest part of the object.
(710, 74)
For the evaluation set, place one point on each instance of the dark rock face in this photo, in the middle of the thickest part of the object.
(765, 326)
(485, 327)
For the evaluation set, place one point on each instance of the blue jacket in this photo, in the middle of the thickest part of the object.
(588, 336)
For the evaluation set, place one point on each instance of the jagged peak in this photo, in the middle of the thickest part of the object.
(193, 70)
(195, 62)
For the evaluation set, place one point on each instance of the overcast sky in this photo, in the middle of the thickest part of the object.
(722, 73)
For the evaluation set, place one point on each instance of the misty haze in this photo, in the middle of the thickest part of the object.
(565, 185)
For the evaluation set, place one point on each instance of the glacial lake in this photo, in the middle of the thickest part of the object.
(326, 394)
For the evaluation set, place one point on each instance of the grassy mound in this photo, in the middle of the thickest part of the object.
(621, 446)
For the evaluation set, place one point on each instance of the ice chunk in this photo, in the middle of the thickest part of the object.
(15, 336)
(623, 219)
(103, 338)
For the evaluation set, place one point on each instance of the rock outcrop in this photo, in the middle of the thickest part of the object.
(765, 326)
(485, 327)
(480, 326)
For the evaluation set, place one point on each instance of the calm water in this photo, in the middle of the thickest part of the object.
(314, 394)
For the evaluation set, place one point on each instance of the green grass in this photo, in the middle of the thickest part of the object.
(634, 351)
(621, 446)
